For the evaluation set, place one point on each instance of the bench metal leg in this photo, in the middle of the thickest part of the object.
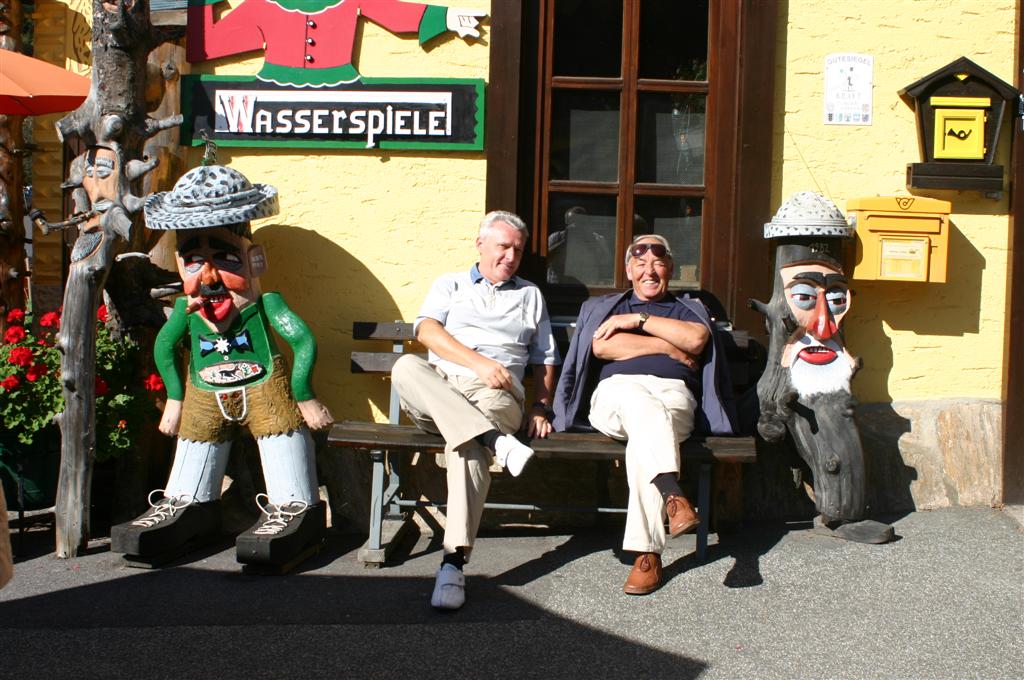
(385, 530)
(376, 499)
(704, 507)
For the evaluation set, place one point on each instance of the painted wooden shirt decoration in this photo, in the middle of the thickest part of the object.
(308, 92)
(310, 42)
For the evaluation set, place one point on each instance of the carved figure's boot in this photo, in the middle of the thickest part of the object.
(284, 536)
(171, 527)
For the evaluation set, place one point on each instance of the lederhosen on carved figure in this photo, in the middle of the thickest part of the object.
(235, 378)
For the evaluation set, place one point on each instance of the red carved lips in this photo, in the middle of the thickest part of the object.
(216, 307)
(817, 355)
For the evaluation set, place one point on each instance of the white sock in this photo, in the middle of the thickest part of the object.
(198, 470)
(512, 454)
(289, 467)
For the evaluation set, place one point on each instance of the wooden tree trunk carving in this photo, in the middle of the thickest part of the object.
(805, 389)
(12, 232)
(113, 125)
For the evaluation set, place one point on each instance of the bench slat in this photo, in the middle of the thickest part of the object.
(372, 330)
(376, 362)
(560, 445)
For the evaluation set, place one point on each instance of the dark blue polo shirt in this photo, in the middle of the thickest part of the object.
(660, 365)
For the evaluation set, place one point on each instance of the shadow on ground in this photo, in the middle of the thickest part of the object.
(205, 618)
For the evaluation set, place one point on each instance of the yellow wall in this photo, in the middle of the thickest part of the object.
(918, 341)
(362, 234)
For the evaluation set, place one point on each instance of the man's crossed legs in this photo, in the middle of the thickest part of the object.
(472, 418)
(653, 415)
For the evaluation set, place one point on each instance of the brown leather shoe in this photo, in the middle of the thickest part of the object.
(646, 575)
(682, 518)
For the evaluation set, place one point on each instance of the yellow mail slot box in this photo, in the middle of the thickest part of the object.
(900, 238)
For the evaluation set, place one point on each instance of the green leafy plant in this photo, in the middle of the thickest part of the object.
(30, 389)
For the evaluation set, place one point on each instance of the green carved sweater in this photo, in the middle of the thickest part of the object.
(242, 355)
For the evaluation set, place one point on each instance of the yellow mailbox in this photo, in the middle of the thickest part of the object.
(900, 238)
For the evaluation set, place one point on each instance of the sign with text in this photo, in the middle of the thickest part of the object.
(849, 81)
(384, 113)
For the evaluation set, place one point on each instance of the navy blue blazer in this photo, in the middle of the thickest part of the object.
(717, 413)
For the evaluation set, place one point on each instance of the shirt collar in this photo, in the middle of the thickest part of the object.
(668, 299)
(476, 277)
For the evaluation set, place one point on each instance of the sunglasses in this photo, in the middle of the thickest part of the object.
(656, 249)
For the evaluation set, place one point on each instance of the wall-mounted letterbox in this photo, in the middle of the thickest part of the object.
(960, 110)
(900, 238)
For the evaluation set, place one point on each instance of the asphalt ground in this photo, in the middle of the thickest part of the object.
(945, 600)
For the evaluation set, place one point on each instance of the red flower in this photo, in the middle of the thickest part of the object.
(35, 372)
(20, 356)
(101, 313)
(16, 316)
(121, 424)
(153, 382)
(10, 382)
(14, 334)
(101, 386)
(50, 320)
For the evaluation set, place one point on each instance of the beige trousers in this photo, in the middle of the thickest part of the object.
(459, 409)
(653, 415)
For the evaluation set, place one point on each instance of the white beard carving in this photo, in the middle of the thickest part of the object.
(808, 379)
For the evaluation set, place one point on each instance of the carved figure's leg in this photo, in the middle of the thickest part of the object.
(184, 515)
(293, 519)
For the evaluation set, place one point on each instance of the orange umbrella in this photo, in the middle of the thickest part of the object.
(32, 87)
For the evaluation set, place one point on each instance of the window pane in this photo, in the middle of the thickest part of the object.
(674, 39)
(585, 136)
(679, 221)
(671, 138)
(588, 38)
(581, 239)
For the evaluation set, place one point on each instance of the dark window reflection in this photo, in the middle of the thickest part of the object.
(588, 38)
(581, 239)
(585, 136)
(670, 138)
(679, 221)
(674, 39)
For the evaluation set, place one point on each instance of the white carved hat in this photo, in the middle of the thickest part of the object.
(808, 214)
(210, 196)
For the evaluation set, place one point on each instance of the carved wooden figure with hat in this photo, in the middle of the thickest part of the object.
(235, 378)
(805, 389)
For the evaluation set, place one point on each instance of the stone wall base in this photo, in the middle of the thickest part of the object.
(920, 455)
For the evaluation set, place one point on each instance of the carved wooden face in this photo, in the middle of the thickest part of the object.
(100, 179)
(818, 297)
(220, 271)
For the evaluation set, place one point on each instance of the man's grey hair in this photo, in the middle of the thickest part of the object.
(511, 219)
(657, 237)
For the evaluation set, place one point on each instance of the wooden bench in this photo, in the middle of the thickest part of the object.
(388, 521)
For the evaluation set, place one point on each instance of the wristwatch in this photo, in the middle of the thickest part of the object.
(644, 316)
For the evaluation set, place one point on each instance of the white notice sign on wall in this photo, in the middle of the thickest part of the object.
(848, 84)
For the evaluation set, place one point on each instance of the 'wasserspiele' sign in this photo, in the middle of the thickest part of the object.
(386, 113)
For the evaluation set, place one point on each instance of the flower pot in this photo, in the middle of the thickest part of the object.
(36, 466)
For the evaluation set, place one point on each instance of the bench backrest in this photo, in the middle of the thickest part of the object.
(741, 352)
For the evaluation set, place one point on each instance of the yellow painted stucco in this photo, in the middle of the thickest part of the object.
(362, 234)
(918, 341)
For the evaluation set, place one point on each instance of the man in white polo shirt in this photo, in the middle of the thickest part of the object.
(482, 328)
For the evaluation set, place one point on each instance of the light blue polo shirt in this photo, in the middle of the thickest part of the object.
(507, 322)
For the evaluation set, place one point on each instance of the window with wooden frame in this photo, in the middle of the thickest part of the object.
(623, 105)
(635, 116)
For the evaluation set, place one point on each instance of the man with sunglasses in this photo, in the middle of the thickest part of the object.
(640, 368)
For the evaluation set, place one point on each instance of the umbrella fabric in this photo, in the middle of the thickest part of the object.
(32, 87)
